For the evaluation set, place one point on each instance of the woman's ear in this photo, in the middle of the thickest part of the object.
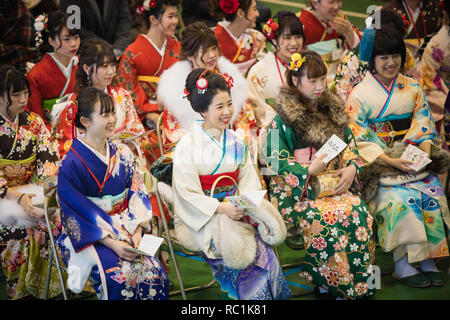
(86, 69)
(52, 43)
(295, 81)
(153, 20)
(85, 122)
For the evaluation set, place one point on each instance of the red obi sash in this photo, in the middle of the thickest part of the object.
(119, 207)
(207, 181)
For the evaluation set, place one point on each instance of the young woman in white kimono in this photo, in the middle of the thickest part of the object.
(239, 253)
(267, 76)
(391, 112)
(199, 49)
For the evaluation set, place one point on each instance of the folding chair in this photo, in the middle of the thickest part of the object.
(51, 203)
(167, 234)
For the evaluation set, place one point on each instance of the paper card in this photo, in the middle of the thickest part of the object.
(148, 246)
(332, 148)
(249, 200)
(417, 156)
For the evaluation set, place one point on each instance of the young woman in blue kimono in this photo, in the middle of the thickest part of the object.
(105, 210)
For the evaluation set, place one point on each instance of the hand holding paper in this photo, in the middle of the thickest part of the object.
(148, 246)
(250, 199)
(332, 148)
(418, 157)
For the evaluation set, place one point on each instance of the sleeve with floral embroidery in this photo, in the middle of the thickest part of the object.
(47, 153)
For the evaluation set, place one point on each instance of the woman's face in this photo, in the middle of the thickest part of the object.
(169, 21)
(102, 75)
(288, 44)
(100, 125)
(19, 100)
(65, 45)
(205, 59)
(252, 15)
(313, 88)
(388, 66)
(219, 112)
(328, 9)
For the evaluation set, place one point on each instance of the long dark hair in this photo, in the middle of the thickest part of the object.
(11, 78)
(56, 21)
(92, 52)
(201, 101)
(86, 101)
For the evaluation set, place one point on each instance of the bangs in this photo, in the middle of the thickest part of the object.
(73, 32)
(105, 54)
(106, 104)
(316, 67)
(387, 44)
(19, 83)
(291, 25)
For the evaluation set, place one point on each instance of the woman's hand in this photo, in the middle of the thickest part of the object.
(232, 212)
(119, 248)
(30, 210)
(398, 163)
(317, 165)
(347, 175)
(137, 237)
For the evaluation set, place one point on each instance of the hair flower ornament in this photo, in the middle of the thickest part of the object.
(229, 6)
(270, 28)
(296, 61)
(146, 6)
(229, 80)
(40, 24)
(202, 83)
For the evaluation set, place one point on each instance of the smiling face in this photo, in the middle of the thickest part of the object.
(288, 44)
(252, 15)
(102, 75)
(207, 59)
(327, 9)
(168, 22)
(219, 112)
(387, 66)
(100, 125)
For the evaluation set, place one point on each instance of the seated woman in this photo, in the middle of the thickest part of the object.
(390, 112)
(103, 220)
(239, 42)
(199, 49)
(97, 68)
(53, 76)
(328, 31)
(352, 69)
(27, 157)
(267, 76)
(320, 197)
(240, 255)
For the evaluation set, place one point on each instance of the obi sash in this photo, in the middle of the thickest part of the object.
(391, 129)
(304, 156)
(224, 187)
(27, 166)
(112, 205)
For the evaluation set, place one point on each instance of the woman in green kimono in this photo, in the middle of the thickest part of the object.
(336, 225)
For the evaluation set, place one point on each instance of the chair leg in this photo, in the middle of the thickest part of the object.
(169, 242)
(55, 254)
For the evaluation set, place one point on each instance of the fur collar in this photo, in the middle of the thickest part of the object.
(315, 128)
(171, 91)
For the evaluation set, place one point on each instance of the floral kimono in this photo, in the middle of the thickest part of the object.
(336, 229)
(350, 71)
(243, 51)
(434, 71)
(198, 161)
(410, 210)
(50, 80)
(90, 213)
(27, 156)
(127, 118)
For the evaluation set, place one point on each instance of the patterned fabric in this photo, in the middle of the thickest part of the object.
(85, 223)
(24, 261)
(17, 41)
(410, 216)
(337, 230)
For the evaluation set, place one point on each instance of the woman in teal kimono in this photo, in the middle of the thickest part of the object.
(336, 226)
(391, 112)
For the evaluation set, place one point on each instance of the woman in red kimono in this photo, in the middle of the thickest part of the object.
(238, 41)
(149, 55)
(54, 76)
